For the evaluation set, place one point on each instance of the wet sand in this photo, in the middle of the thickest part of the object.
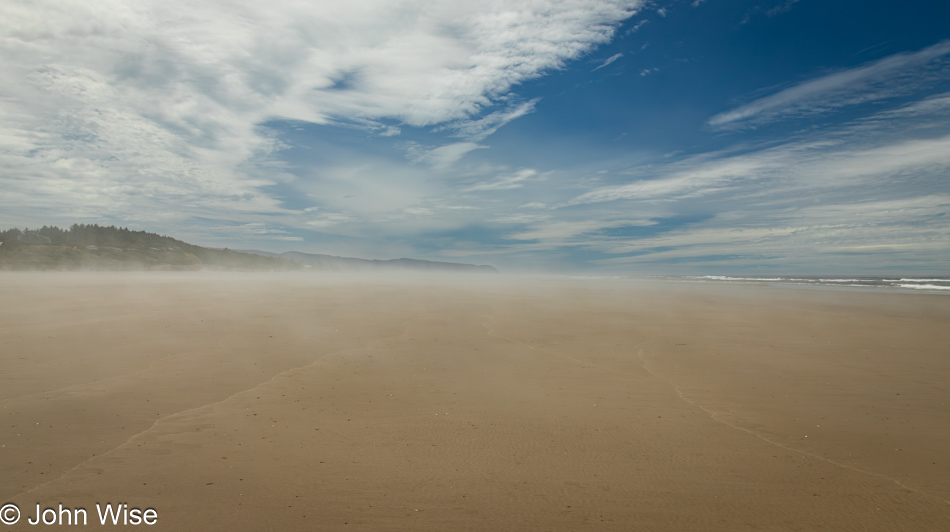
(302, 402)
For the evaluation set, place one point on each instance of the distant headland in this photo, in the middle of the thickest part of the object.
(95, 247)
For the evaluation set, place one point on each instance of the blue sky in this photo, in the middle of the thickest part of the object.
(621, 137)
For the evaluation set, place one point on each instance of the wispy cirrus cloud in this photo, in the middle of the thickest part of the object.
(609, 60)
(636, 27)
(442, 157)
(153, 110)
(478, 129)
(697, 177)
(509, 182)
(895, 75)
(908, 231)
(810, 164)
(874, 187)
(782, 8)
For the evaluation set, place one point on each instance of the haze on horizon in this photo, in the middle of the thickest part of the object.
(620, 136)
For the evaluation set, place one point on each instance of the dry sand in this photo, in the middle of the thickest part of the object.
(255, 402)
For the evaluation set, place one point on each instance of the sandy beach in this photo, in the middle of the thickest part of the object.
(230, 401)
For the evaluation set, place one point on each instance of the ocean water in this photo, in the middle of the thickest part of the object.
(913, 284)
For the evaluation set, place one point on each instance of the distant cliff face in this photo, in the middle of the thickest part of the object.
(330, 262)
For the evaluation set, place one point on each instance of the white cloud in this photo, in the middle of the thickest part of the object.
(366, 187)
(533, 205)
(558, 230)
(444, 156)
(887, 160)
(636, 27)
(515, 180)
(931, 106)
(521, 218)
(894, 75)
(781, 8)
(556, 233)
(817, 234)
(152, 109)
(699, 178)
(806, 165)
(609, 60)
(389, 131)
(418, 211)
(327, 220)
(479, 129)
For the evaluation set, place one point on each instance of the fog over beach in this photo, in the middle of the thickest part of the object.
(437, 265)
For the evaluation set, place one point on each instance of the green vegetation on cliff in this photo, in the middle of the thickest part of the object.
(94, 247)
